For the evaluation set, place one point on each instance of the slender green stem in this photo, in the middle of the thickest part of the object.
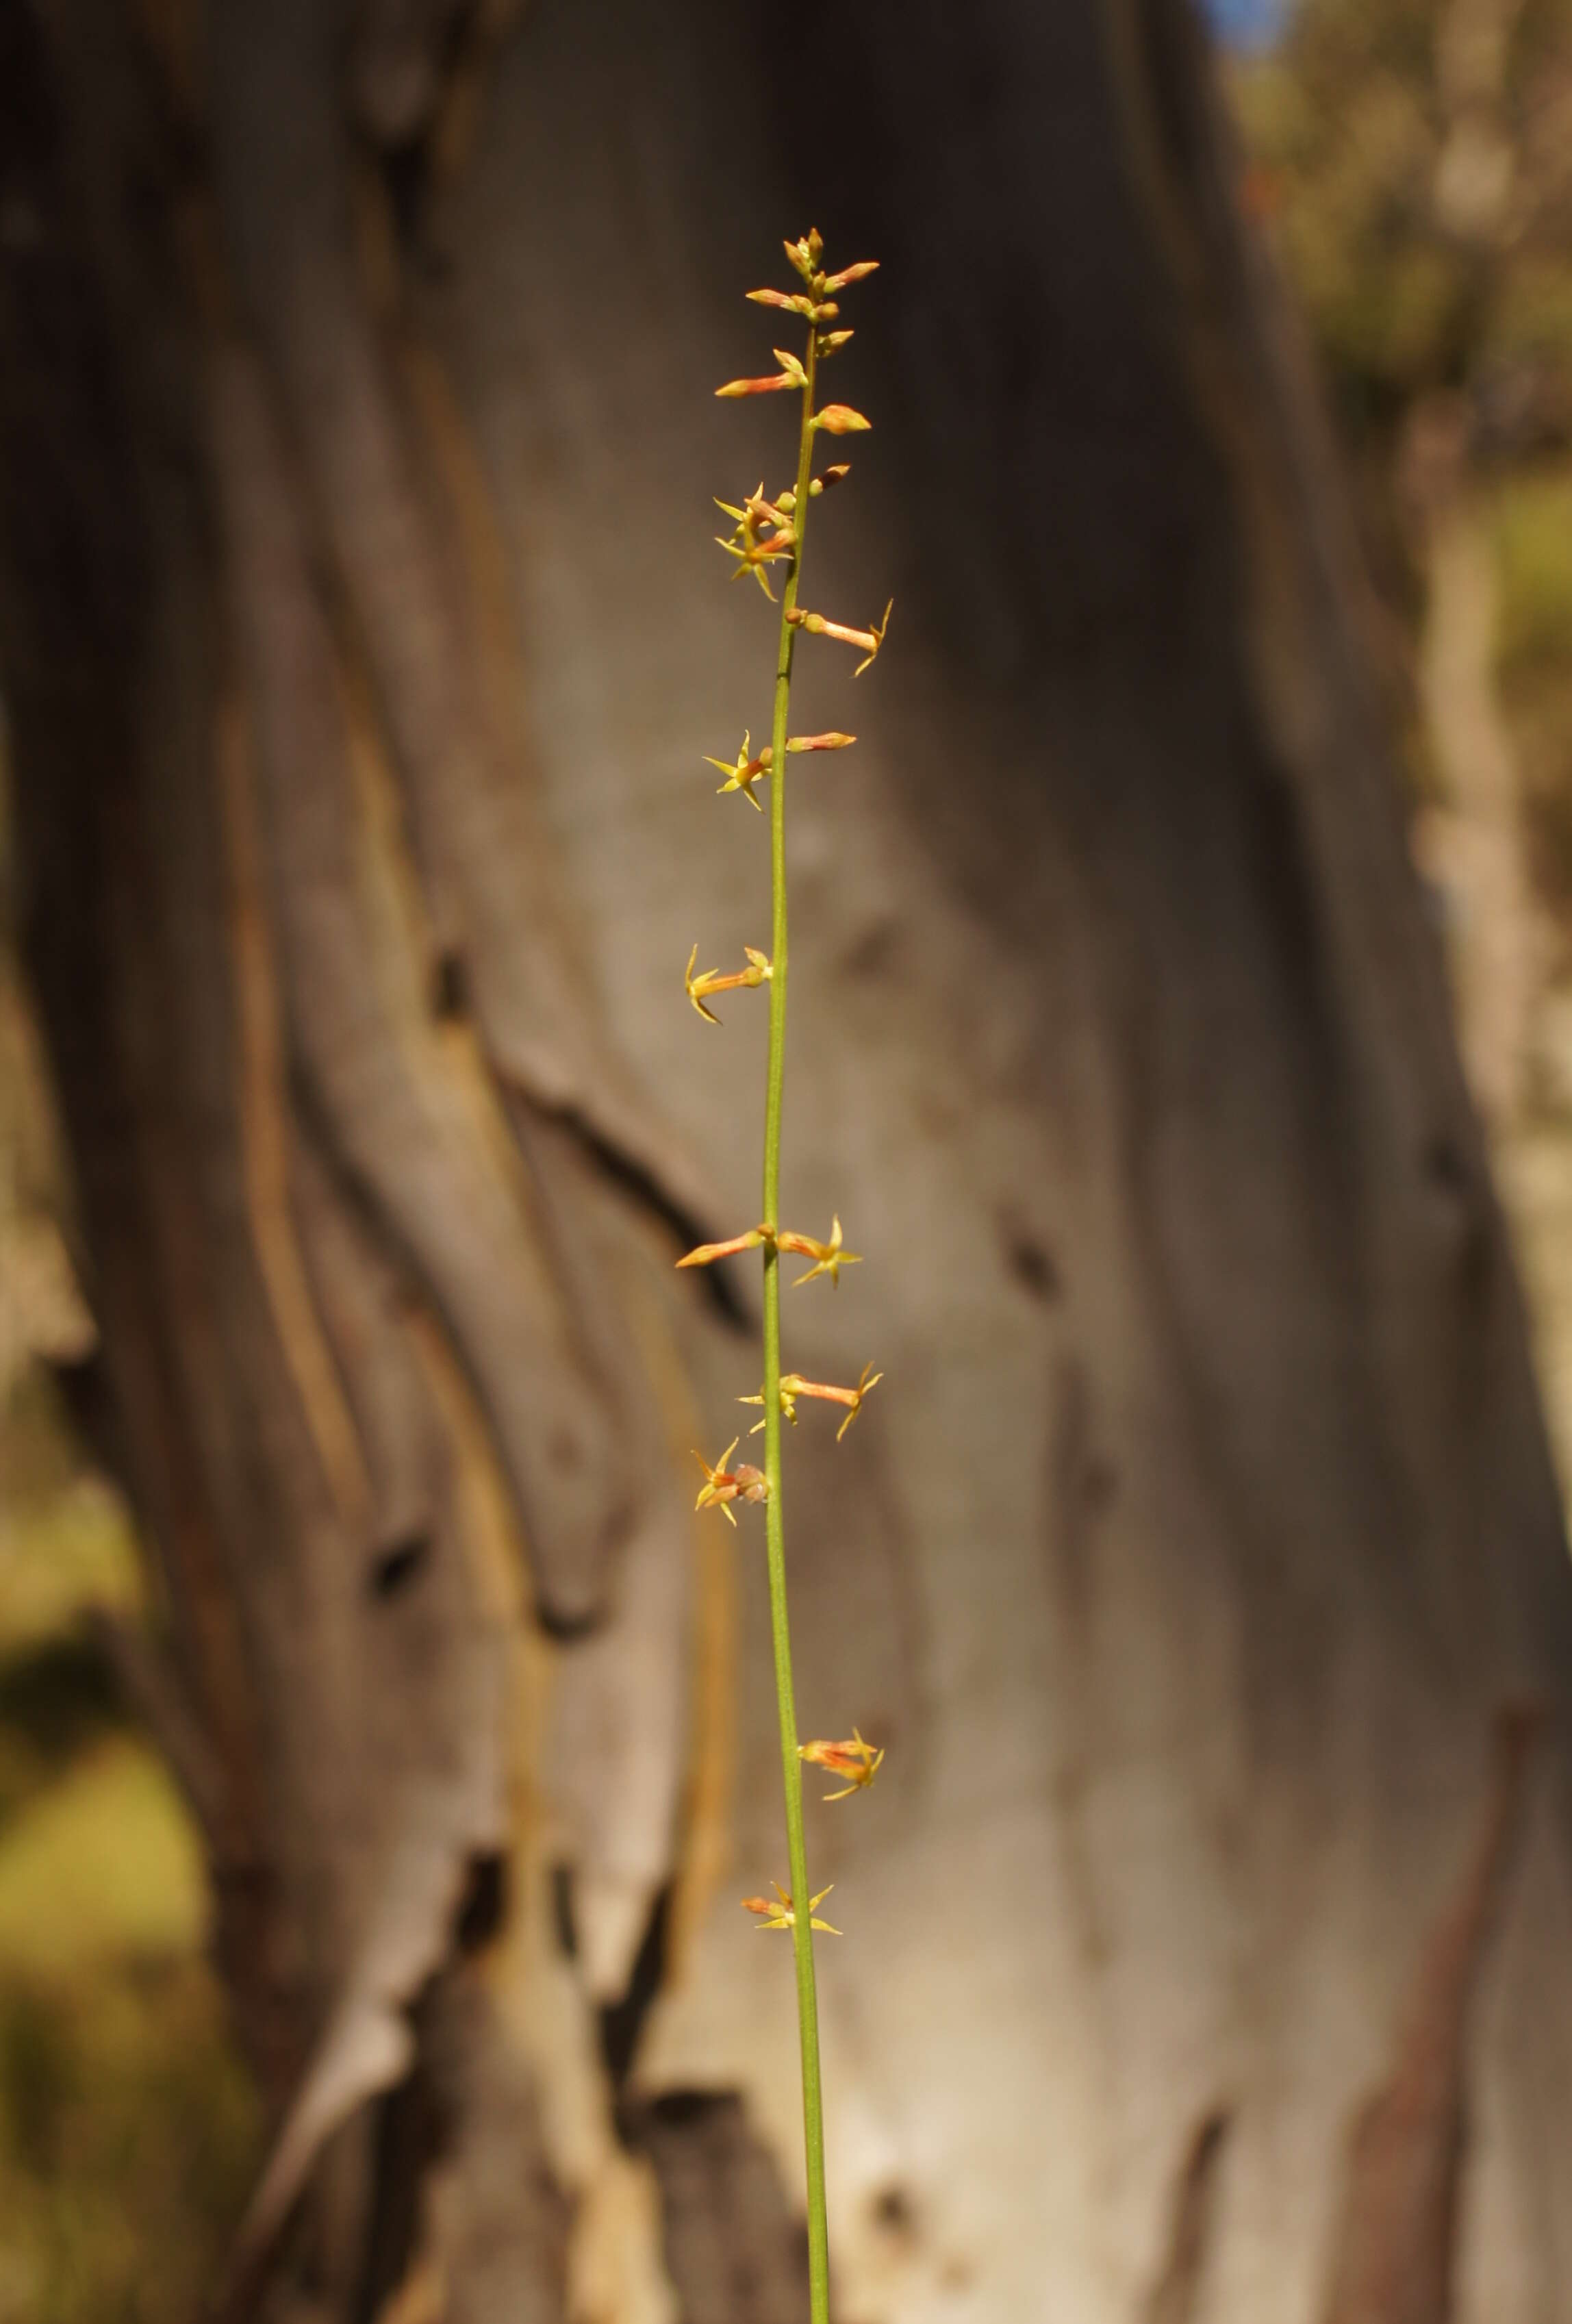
(774, 1522)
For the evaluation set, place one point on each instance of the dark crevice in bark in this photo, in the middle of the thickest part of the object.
(622, 2021)
(734, 2252)
(1174, 2297)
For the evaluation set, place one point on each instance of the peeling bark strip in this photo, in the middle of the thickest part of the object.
(396, 1124)
(1397, 2239)
(1176, 2291)
(396, 540)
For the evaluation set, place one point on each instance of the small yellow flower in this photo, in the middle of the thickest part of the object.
(828, 1257)
(782, 1916)
(723, 1486)
(742, 776)
(857, 1760)
(751, 547)
(710, 979)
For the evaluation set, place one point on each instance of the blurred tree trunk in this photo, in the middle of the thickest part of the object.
(360, 635)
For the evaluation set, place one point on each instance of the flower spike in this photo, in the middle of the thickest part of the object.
(856, 1760)
(769, 532)
(828, 1257)
(723, 1486)
(710, 979)
(781, 1915)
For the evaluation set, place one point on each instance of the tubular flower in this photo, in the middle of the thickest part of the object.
(794, 1385)
(747, 771)
(710, 979)
(869, 640)
(782, 1916)
(828, 1257)
(708, 1252)
(858, 1761)
(723, 1486)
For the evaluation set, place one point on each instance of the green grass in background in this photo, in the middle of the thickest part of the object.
(127, 2128)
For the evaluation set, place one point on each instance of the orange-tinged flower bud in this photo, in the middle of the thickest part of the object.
(856, 1760)
(840, 419)
(849, 274)
(757, 386)
(793, 301)
(805, 254)
(820, 741)
(708, 1253)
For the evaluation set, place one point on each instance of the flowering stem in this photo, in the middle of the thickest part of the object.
(775, 1540)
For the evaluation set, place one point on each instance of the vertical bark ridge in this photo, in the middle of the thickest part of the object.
(1396, 2242)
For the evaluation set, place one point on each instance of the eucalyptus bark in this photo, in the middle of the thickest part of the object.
(360, 634)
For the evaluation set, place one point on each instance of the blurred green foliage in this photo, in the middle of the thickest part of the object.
(1412, 162)
(128, 2129)
(127, 2126)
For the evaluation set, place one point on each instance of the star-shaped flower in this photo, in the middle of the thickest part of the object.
(782, 1915)
(747, 771)
(723, 1486)
(828, 1257)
